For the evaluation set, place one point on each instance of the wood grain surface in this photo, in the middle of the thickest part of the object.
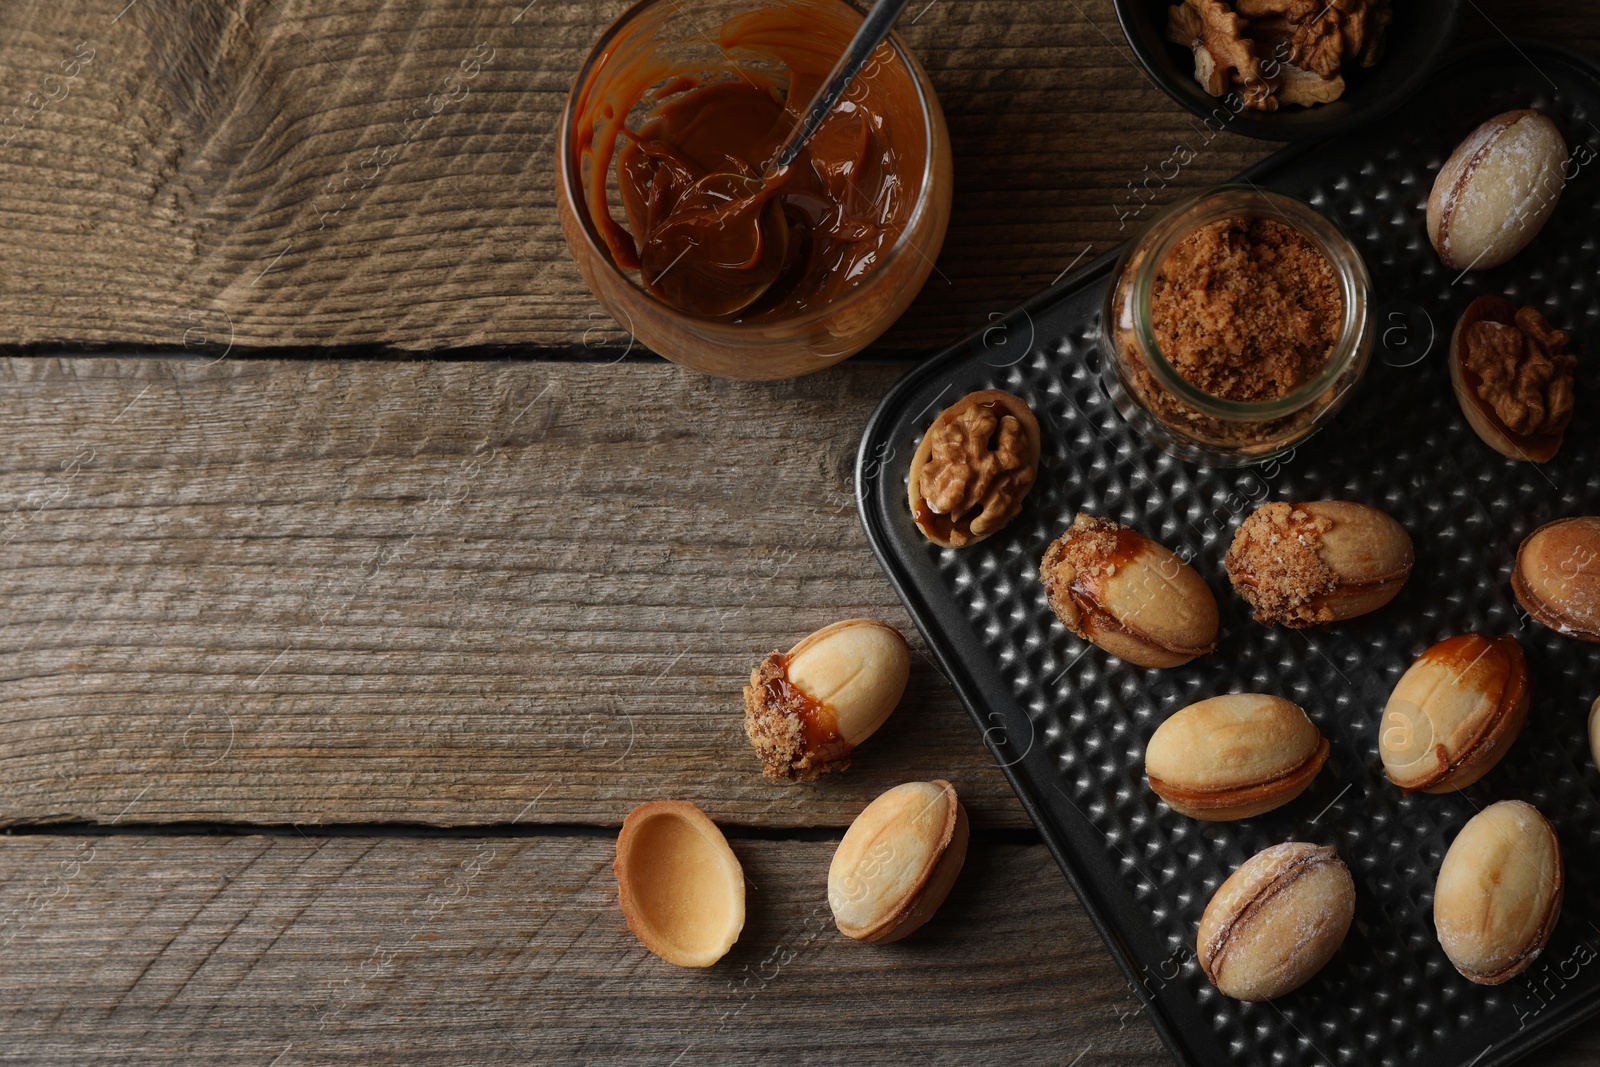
(283, 172)
(466, 593)
(448, 593)
(294, 951)
(515, 596)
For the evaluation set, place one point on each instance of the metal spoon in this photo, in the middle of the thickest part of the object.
(752, 233)
(874, 28)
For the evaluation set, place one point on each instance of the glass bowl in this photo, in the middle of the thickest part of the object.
(646, 56)
(1173, 413)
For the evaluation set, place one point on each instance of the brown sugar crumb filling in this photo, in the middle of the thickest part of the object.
(1273, 563)
(1247, 309)
(774, 720)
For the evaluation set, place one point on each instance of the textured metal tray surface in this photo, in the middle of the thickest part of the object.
(1069, 722)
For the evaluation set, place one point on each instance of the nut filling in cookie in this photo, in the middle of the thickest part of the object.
(807, 709)
(973, 468)
(1323, 561)
(1513, 378)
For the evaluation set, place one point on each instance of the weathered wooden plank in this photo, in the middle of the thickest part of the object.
(293, 951)
(273, 172)
(453, 593)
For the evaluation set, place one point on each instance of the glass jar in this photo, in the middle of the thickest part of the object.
(1176, 415)
(654, 50)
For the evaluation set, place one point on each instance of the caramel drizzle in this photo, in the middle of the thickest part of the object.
(1313, 762)
(1089, 605)
(818, 721)
(1510, 696)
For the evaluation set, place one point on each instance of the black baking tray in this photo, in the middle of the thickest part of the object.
(1068, 722)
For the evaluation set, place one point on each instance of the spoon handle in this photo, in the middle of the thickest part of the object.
(871, 34)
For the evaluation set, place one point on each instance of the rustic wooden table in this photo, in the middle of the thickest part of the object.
(329, 671)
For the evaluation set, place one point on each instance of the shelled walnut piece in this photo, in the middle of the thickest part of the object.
(1224, 56)
(1513, 378)
(1278, 52)
(973, 468)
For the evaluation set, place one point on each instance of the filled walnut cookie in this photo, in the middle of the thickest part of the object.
(898, 861)
(1557, 576)
(1499, 892)
(807, 709)
(973, 468)
(1234, 756)
(1276, 921)
(1454, 713)
(1302, 564)
(1497, 190)
(1513, 378)
(1135, 598)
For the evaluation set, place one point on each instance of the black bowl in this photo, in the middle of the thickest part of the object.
(1412, 45)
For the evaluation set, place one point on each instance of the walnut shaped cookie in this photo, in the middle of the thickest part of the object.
(973, 468)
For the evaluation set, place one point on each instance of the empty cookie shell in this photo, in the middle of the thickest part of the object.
(679, 884)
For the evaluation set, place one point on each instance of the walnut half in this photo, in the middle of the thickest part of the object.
(1278, 51)
(973, 467)
(1224, 56)
(1513, 378)
(1329, 33)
